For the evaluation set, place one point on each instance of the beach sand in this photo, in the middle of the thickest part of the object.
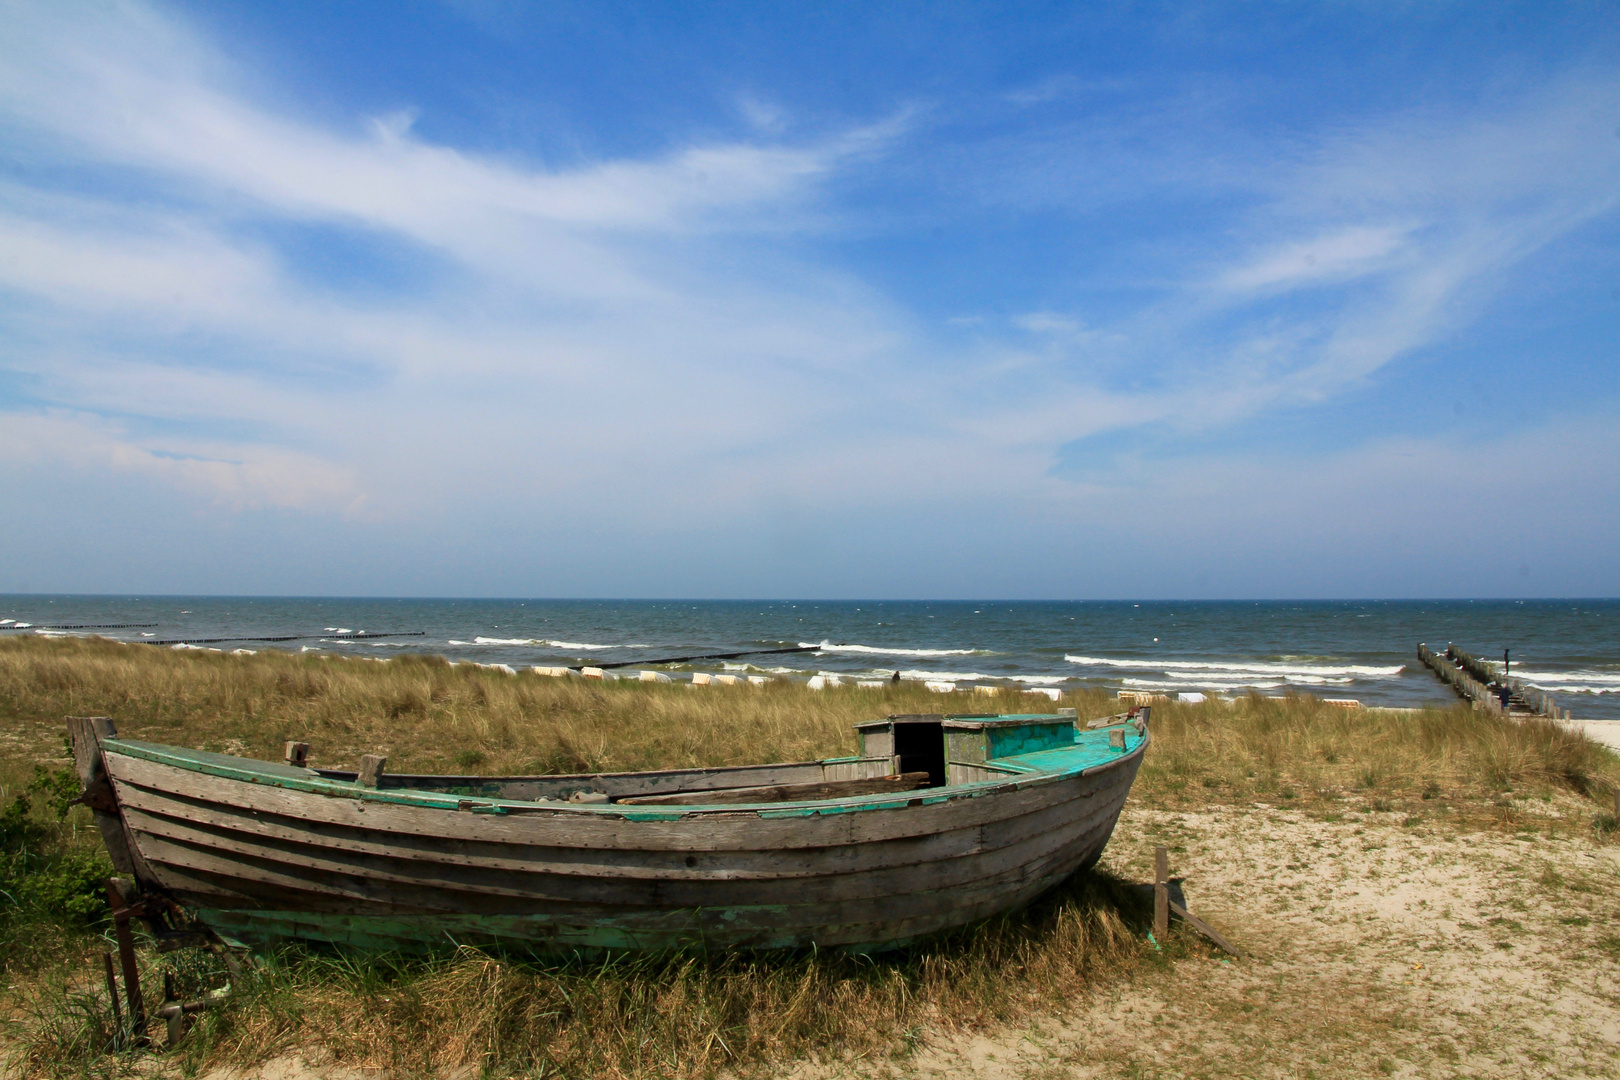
(1606, 732)
(1381, 945)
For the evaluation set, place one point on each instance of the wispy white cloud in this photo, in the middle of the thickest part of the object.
(233, 475)
(1339, 255)
(666, 325)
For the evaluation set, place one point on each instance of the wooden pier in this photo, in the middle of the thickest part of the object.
(1482, 682)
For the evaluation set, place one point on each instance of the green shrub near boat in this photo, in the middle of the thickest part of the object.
(46, 872)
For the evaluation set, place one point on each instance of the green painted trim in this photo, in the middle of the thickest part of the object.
(1089, 752)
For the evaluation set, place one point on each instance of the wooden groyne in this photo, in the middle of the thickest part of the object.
(1481, 682)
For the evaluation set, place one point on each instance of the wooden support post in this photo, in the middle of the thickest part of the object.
(126, 958)
(112, 991)
(1207, 930)
(371, 770)
(1161, 892)
(297, 753)
(174, 1018)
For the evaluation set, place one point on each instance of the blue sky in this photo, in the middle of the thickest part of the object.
(491, 298)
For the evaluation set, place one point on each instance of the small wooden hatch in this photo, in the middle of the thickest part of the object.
(961, 748)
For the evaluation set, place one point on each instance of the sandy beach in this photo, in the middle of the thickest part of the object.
(1606, 732)
(1380, 945)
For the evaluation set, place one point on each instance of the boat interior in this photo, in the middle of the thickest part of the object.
(898, 753)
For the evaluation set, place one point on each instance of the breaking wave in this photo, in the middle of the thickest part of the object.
(878, 650)
(545, 643)
(1235, 667)
(978, 676)
(1207, 684)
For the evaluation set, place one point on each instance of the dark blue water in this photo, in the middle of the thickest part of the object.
(1355, 649)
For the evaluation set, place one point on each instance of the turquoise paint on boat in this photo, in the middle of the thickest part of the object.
(1027, 739)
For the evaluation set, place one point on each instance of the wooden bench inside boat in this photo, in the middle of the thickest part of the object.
(827, 789)
(899, 753)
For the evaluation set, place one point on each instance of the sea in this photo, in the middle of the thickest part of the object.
(1360, 649)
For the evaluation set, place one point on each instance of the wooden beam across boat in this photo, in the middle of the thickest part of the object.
(830, 789)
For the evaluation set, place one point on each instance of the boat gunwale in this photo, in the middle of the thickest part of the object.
(969, 721)
(278, 775)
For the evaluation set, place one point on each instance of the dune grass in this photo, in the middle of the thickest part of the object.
(661, 1016)
(634, 1015)
(1298, 749)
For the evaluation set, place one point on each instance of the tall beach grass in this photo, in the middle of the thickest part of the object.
(647, 1016)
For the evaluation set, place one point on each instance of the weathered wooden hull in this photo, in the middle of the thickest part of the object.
(266, 852)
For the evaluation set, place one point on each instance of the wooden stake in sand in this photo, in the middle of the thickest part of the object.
(126, 956)
(1161, 891)
(1163, 906)
(112, 991)
(1204, 928)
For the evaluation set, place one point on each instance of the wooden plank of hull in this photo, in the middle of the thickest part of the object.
(449, 886)
(543, 854)
(769, 927)
(691, 829)
(679, 929)
(335, 889)
(384, 884)
(460, 857)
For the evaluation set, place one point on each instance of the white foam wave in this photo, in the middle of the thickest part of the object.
(978, 676)
(1575, 688)
(1303, 680)
(876, 650)
(1577, 676)
(338, 630)
(1207, 684)
(1224, 667)
(548, 643)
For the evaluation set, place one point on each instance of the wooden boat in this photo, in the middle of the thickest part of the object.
(938, 822)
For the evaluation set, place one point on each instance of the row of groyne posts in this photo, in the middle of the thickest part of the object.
(1486, 685)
